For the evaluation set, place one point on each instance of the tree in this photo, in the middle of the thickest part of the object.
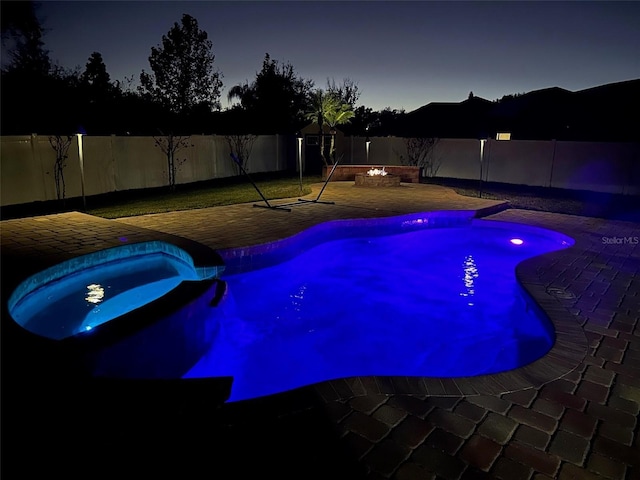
(387, 121)
(183, 75)
(96, 78)
(241, 146)
(60, 145)
(364, 118)
(276, 100)
(319, 105)
(421, 153)
(348, 91)
(15, 18)
(22, 35)
(326, 108)
(338, 113)
(170, 145)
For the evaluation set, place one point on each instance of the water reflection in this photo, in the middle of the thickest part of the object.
(94, 293)
(470, 271)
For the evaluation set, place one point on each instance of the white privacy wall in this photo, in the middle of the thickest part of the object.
(114, 163)
(597, 166)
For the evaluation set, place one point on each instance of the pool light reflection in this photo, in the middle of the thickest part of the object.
(95, 293)
(470, 274)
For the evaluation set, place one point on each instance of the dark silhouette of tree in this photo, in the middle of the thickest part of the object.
(348, 91)
(22, 36)
(386, 122)
(506, 98)
(363, 119)
(182, 66)
(17, 17)
(96, 78)
(100, 98)
(29, 93)
(276, 100)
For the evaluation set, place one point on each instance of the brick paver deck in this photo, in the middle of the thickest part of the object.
(582, 423)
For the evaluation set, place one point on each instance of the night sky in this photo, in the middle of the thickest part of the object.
(401, 54)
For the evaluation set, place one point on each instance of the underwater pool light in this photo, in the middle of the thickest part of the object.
(517, 241)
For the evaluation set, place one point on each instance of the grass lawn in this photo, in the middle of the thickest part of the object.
(571, 202)
(211, 194)
(218, 192)
(234, 190)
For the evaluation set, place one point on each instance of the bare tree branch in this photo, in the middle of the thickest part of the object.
(61, 146)
(170, 145)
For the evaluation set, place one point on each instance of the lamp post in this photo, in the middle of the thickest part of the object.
(81, 161)
(367, 142)
(482, 142)
(299, 139)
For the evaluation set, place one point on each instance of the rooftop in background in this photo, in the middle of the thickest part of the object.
(603, 113)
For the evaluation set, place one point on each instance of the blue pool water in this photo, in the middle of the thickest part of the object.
(81, 294)
(435, 302)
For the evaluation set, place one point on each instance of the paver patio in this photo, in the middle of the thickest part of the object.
(581, 424)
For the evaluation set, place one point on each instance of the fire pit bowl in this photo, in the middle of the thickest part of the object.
(386, 180)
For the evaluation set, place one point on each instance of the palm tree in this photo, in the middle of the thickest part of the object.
(241, 92)
(328, 108)
(339, 114)
(318, 107)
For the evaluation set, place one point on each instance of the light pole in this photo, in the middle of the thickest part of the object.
(299, 139)
(367, 142)
(482, 142)
(81, 161)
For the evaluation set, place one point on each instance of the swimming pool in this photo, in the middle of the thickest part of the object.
(383, 297)
(81, 294)
(133, 311)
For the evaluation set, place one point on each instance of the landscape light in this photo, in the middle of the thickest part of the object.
(367, 142)
(81, 161)
(299, 137)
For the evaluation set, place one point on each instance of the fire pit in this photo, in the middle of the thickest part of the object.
(377, 178)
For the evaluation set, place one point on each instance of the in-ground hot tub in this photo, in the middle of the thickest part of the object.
(133, 311)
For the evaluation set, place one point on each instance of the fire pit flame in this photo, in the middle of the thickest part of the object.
(375, 171)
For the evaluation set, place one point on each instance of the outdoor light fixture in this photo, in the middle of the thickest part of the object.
(367, 142)
(81, 161)
(482, 142)
(299, 138)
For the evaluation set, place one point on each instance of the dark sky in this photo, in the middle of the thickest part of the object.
(402, 54)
